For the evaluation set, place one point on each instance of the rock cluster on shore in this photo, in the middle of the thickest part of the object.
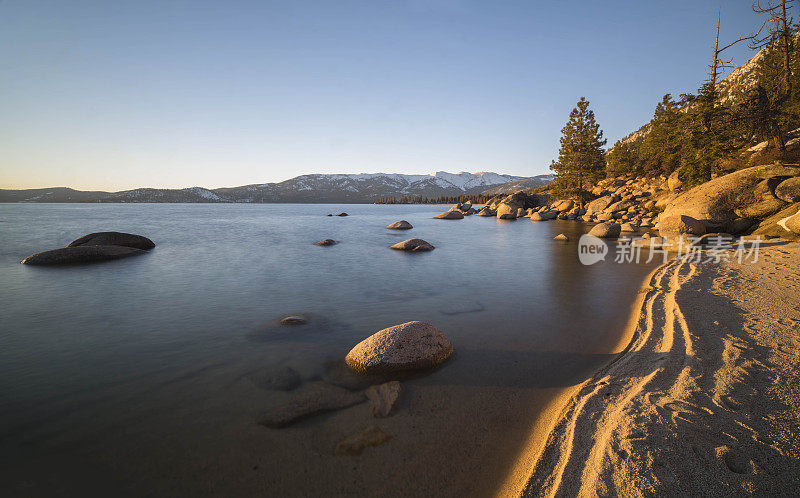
(762, 200)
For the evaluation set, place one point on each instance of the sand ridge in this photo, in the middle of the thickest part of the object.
(701, 402)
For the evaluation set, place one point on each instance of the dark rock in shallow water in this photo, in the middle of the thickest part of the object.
(326, 242)
(329, 214)
(314, 398)
(418, 245)
(81, 254)
(342, 214)
(276, 378)
(294, 320)
(113, 239)
(400, 225)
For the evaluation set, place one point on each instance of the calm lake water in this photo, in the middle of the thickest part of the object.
(133, 377)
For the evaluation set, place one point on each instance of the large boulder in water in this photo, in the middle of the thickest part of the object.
(417, 245)
(507, 208)
(486, 211)
(453, 214)
(400, 225)
(506, 212)
(544, 215)
(607, 230)
(81, 254)
(408, 346)
(113, 239)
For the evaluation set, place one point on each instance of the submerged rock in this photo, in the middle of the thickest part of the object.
(113, 239)
(408, 346)
(400, 225)
(294, 320)
(277, 378)
(382, 398)
(342, 214)
(326, 242)
(339, 374)
(81, 254)
(314, 398)
(417, 245)
(355, 445)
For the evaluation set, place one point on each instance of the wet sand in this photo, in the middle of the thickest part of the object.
(703, 402)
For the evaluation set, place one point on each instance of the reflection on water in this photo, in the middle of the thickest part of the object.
(137, 375)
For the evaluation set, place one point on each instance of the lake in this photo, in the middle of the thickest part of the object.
(136, 377)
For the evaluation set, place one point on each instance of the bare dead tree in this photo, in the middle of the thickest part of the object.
(716, 62)
(776, 30)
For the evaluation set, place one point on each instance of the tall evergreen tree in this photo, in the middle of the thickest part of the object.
(709, 140)
(663, 144)
(581, 158)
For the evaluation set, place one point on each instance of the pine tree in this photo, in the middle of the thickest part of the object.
(709, 140)
(581, 158)
(663, 144)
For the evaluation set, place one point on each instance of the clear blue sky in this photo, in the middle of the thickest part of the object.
(119, 94)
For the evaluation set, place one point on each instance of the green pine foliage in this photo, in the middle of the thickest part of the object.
(442, 199)
(701, 135)
(581, 158)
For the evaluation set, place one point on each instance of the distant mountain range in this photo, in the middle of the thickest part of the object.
(360, 188)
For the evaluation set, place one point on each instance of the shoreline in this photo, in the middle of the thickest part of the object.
(667, 412)
(546, 421)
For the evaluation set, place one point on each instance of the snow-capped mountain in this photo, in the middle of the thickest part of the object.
(366, 187)
(351, 188)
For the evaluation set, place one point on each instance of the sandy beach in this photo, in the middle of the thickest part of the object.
(704, 400)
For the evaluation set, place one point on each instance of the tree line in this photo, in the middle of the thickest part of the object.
(442, 199)
(699, 134)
